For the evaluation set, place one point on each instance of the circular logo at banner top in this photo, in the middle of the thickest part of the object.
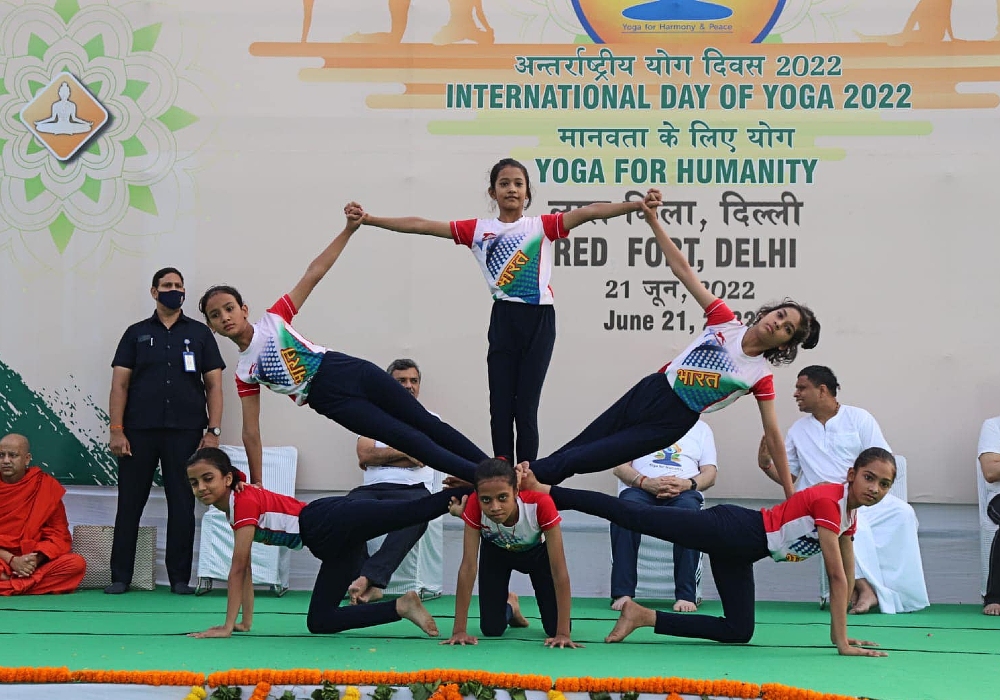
(667, 22)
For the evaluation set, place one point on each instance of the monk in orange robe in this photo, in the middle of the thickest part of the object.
(35, 543)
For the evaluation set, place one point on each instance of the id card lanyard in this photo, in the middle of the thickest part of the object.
(188, 357)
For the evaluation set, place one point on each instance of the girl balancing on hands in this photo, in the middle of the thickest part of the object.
(726, 361)
(336, 530)
(351, 391)
(519, 532)
(818, 519)
(515, 253)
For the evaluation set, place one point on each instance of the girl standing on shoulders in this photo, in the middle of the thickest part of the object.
(336, 530)
(520, 532)
(725, 362)
(515, 254)
(821, 518)
(351, 391)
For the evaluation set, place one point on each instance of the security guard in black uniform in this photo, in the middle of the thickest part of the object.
(166, 370)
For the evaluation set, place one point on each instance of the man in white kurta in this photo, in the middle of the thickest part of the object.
(821, 447)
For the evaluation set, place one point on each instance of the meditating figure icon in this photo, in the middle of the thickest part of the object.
(63, 120)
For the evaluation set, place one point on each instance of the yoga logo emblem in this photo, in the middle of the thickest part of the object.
(695, 21)
(64, 116)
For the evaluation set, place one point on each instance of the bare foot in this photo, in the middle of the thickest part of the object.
(685, 606)
(371, 594)
(516, 618)
(865, 604)
(410, 607)
(632, 618)
(619, 602)
(5, 577)
(991, 609)
(357, 587)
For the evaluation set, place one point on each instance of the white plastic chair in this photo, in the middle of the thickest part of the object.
(987, 528)
(270, 565)
(422, 570)
(899, 491)
(655, 570)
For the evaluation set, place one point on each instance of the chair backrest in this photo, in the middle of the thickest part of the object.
(280, 466)
(899, 485)
(987, 491)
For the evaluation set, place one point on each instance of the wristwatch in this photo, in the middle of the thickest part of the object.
(214, 431)
(694, 485)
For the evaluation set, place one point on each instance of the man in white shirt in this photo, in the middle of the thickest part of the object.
(821, 447)
(989, 463)
(390, 475)
(674, 477)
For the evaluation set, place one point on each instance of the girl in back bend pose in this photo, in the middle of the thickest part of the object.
(821, 518)
(351, 391)
(725, 362)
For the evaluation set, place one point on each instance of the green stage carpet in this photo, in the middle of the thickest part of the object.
(944, 652)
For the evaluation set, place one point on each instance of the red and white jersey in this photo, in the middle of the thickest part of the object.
(536, 513)
(713, 371)
(275, 516)
(791, 525)
(278, 357)
(516, 258)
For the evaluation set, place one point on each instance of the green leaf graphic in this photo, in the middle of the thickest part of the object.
(33, 187)
(37, 46)
(176, 118)
(133, 147)
(95, 47)
(141, 197)
(61, 231)
(145, 39)
(134, 89)
(66, 9)
(91, 188)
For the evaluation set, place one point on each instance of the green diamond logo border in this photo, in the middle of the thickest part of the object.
(76, 85)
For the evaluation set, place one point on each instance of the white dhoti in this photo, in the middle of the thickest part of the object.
(887, 555)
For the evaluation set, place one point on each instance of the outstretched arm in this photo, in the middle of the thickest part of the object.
(831, 546)
(251, 437)
(324, 261)
(678, 263)
(608, 210)
(409, 224)
(564, 596)
(463, 588)
(237, 593)
(776, 445)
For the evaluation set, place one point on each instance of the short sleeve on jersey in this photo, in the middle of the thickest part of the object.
(463, 232)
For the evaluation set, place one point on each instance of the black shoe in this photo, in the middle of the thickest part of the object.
(181, 589)
(116, 588)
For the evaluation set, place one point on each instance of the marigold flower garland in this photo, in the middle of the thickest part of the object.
(449, 683)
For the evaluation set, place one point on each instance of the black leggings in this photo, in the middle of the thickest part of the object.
(368, 401)
(733, 538)
(647, 418)
(521, 340)
(495, 567)
(336, 530)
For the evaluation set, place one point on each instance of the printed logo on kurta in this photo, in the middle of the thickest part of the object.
(707, 375)
(668, 457)
(803, 548)
(515, 268)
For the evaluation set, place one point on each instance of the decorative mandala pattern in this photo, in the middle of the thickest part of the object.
(133, 182)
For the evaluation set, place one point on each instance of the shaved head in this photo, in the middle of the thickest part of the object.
(15, 456)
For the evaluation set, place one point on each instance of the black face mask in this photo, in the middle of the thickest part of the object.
(172, 299)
